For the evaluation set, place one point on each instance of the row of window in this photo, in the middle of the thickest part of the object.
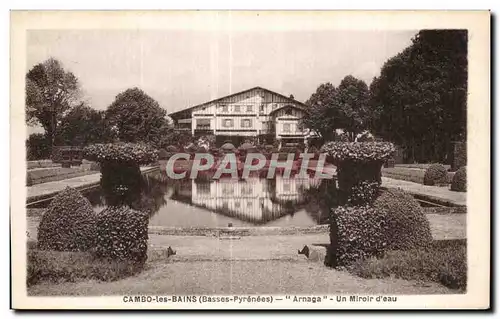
(245, 123)
(237, 108)
(289, 127)
(230, 123)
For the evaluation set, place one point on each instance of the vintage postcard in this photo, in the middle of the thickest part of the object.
(250, 159)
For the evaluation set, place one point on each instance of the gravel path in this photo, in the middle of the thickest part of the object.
(240, 277)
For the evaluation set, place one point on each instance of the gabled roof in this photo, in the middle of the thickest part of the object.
(238, 93)
(302, 108)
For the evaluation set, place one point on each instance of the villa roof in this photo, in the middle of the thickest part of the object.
(238, 93)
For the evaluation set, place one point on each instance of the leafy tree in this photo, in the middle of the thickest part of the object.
(37, 147)
(419, 99)
(136, 117)
(351, 101)
(320, 117)
(175, 138)
(83, 125)
(333, 108)
(50, 93)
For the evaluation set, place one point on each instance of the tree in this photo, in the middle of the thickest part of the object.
(351, 101)
(136, 117)
(320, 116)
(83, 125)
(333, 108)
(50, 93)
(175, 138)
(419, 99)
(37, 147)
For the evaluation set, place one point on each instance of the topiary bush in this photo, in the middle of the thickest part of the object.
(459, 181)
(357, 233)
(357, 162)
(136, 153)
(363, 193)
(120, 172)
(122, 234)
(409, 228)
(120, 182)
(69, 224)
(436, 174)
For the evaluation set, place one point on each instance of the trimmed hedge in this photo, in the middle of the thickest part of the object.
(122, 234)
(409, 228)
(137, 153)
(436, 174)
(444, 264)
(56, 267)
(358, 233)
(69, 223)
(459, 181)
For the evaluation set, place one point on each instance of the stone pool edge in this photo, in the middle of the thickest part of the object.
(237, 231)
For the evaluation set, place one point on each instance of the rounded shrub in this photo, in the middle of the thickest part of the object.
(122, 233)
(408, 226)
(69, 224)
(436, 174)
(459, 181)
(357, 233)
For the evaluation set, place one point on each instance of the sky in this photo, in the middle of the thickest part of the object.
(182, 68)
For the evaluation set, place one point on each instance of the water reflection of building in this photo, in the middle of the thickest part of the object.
(255, 200)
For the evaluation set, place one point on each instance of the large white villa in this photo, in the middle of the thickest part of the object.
(257, 112)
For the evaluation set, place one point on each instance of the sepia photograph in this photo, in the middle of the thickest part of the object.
(240, 159)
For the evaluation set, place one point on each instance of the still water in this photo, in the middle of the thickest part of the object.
(250, 202)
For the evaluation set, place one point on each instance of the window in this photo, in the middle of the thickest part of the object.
(249, 108)
(203, 124)
(225, 108)
(286, 127)
(228, 123)
(262, 107)
(237, 108)
(246, 123)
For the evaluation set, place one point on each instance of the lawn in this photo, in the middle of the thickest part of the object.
(51, 174)
(410, 173)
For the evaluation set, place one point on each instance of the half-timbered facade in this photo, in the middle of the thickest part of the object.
(256, 112)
